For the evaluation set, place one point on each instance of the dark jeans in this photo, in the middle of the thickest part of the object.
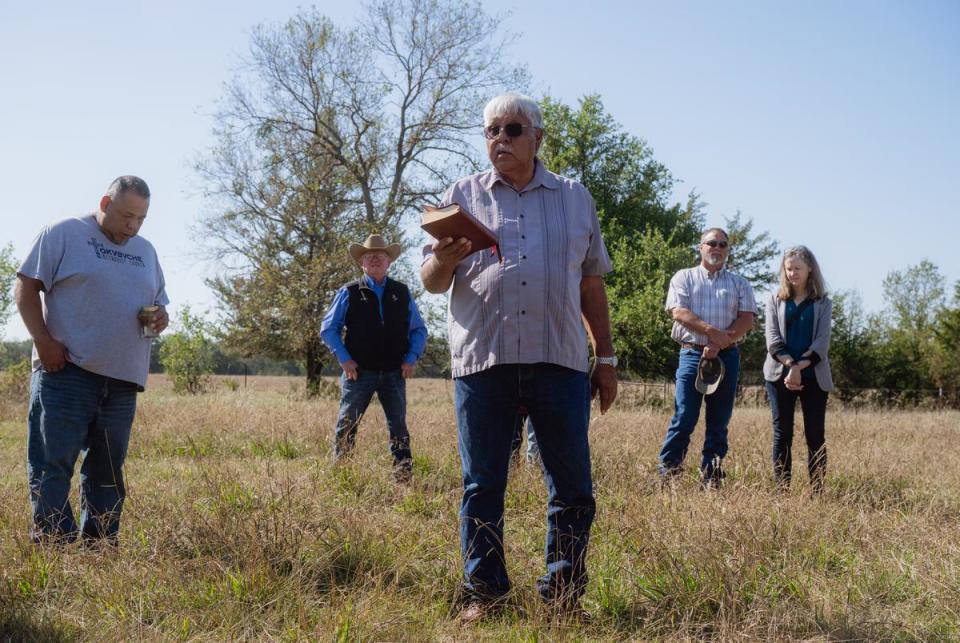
(74, 411)
(813, 404)
(391, 390)
(558, 401)
(687, 404)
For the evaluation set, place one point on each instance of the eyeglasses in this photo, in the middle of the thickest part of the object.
(512, 130)
(713, 243)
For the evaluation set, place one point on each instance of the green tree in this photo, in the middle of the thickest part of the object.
(328, 135)
(914, 299)
(854, 346)
(753, 255)
(188, 354)
(8, 273)
(632, 190)
(947, 332)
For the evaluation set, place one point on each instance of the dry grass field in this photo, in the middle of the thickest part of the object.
(238, 527)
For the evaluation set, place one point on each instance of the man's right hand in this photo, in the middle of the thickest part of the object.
(721, 338)
(449, 252)
(53, 355)
(350, 369)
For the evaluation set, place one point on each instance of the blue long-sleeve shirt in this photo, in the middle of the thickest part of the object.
(331, 329)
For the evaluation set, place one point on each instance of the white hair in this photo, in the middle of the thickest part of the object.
(513, 103)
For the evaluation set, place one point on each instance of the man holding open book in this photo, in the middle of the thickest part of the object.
(517, 339)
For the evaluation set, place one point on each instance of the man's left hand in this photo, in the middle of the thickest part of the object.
(160, 320)
(407, 369)
(604, 381)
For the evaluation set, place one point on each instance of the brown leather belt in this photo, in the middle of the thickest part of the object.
(700, 347)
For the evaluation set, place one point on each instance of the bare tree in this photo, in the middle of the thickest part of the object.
(328, 134)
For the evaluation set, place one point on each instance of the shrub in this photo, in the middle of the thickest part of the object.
(15, 382)
(188, 355)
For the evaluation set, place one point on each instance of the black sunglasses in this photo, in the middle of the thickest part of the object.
(713, 243)
(513, 130)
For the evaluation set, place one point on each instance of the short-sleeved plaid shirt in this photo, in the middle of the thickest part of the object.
(715, 298)
(525, 309)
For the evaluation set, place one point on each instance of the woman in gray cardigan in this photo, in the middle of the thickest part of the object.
(797, 366)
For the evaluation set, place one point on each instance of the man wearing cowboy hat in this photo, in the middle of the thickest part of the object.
(384, 337)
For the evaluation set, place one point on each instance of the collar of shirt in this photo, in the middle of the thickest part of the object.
(712, 275)
(541, 178)
(373, 285)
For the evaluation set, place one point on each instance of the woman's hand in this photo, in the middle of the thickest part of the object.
(792, 380)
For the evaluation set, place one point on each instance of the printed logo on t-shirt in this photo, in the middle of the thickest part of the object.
(116, 256)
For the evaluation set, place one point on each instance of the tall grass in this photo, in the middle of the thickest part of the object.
(238, 526)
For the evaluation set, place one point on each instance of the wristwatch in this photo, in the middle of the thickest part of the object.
(612, 360)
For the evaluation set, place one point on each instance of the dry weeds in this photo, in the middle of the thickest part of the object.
(238, 526)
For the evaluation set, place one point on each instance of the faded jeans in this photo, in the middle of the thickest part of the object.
(74, 412)
(391, 390)
(687, 412)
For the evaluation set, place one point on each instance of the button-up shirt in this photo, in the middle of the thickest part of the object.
(525, 309)
(331, 328)
(716, 298)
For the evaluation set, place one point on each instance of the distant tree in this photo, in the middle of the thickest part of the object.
(331, 134)
(753, 255)
(187, 354)
(854, 346)
(8, 273)
(947, 333)
(914, 298)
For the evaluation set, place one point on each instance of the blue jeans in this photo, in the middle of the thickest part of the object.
(558, 401)
(391, 390)
(813, 403)
(74, 411)
(687, 412)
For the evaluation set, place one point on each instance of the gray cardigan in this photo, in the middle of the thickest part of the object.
(775, 329)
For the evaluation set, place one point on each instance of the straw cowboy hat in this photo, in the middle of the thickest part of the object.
(374, 242)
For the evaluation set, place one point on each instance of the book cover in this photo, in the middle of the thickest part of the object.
(454, 221)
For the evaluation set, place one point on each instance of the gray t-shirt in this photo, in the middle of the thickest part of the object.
(94, 289)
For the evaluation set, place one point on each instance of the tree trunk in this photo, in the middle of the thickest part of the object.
(314, 367)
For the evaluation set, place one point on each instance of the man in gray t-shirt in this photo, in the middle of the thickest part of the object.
(90, 357)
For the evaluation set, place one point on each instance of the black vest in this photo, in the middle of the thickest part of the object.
(378, 344)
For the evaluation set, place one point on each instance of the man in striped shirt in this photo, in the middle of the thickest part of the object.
(712, 310)
(518, 332)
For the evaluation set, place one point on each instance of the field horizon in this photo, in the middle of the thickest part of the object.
(239, 526)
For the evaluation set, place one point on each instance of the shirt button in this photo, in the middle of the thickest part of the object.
(523, 312)
(523, 257)
(521, 216)
(523, 236)
(523, 283)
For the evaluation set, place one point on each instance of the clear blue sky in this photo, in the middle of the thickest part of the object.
(833, 124)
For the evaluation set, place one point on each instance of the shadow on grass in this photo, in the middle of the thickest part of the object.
(17, 623)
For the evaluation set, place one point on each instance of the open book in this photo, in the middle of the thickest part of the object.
(455, 222)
